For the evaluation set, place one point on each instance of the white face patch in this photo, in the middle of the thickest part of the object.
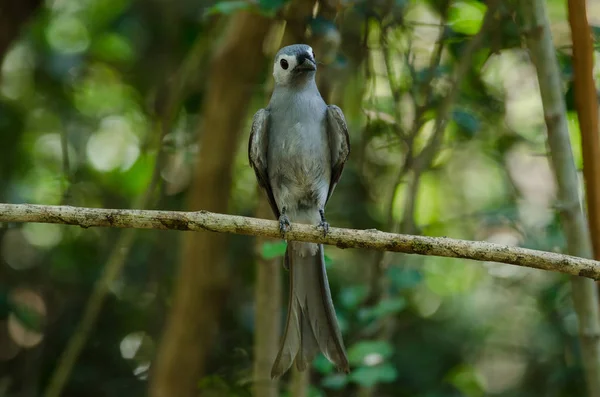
(283, 76)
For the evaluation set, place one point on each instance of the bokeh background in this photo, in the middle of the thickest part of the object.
(147, 104)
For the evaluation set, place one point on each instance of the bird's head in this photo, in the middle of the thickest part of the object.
(294, 65)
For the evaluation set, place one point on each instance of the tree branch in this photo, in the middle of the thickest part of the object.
(342, 238)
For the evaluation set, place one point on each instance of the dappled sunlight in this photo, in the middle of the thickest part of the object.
(42, 235)
(8, 348)
(68, 34)
(26, 320)
(49, 153)
(17, 72)
(17, 251)
(113, 146)
(129, 105)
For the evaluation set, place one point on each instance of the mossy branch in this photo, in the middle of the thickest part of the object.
(342, 238)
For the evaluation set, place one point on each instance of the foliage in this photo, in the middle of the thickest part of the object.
(91, 93)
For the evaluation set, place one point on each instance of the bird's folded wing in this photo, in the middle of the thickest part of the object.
(339, 144)
(257, 154)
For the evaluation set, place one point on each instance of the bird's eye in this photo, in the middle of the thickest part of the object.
(284, 64)
(313, 54)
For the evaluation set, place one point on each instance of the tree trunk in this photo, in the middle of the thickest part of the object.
(587, 113)
(300, 383)
(267, 319)
(200, 288)
(585, 296)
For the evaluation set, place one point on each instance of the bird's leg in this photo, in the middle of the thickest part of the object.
(284, 222)
(323, 222)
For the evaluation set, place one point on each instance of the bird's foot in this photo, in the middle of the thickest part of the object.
(323, 224)
(284, 224)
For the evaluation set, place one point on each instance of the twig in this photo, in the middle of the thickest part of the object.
(342, 238)
(418, 163)
(436, 56)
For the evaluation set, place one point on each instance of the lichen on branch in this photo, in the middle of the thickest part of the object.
(339, 237)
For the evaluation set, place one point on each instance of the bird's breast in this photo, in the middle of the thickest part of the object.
(299, 151)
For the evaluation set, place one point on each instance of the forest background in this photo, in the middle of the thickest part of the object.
(147, 104)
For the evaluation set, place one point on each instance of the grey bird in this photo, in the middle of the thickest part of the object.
(298, 147)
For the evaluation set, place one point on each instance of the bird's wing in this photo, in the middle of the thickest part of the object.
(339, 144)
(257, 154)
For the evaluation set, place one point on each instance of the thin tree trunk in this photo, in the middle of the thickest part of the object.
(267, 328)
(587, 112)
(200, 288)
(541, 48)
(300, 383)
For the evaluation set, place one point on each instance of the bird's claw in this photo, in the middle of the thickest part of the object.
(284, 224)
(325, 226)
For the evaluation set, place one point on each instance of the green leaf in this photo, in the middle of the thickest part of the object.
(351, 297)
(467, 122)
(31, 319)
(214, 385)
(466, 16)
(136, 179)
(68, 34)
(113, 48)
(595, 32)
(466, 379)
(273, 250)
(270, 6)
(335, 381)
(322, 365)
(449, 276)
(439, 71)
(575, 133)
(99, 14)
(359, 351)
(370, 376)
(314, 392)
(383, 308)
(227, 7)
(404, 278)
(565, 62)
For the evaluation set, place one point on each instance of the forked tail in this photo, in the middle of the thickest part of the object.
(311, 324)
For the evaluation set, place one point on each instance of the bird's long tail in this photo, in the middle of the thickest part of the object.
(311, 324)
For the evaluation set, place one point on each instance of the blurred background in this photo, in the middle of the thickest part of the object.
(147, 104)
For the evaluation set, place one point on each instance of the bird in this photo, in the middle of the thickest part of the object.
(298, 147)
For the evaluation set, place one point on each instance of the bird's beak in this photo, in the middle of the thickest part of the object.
(306, 65)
